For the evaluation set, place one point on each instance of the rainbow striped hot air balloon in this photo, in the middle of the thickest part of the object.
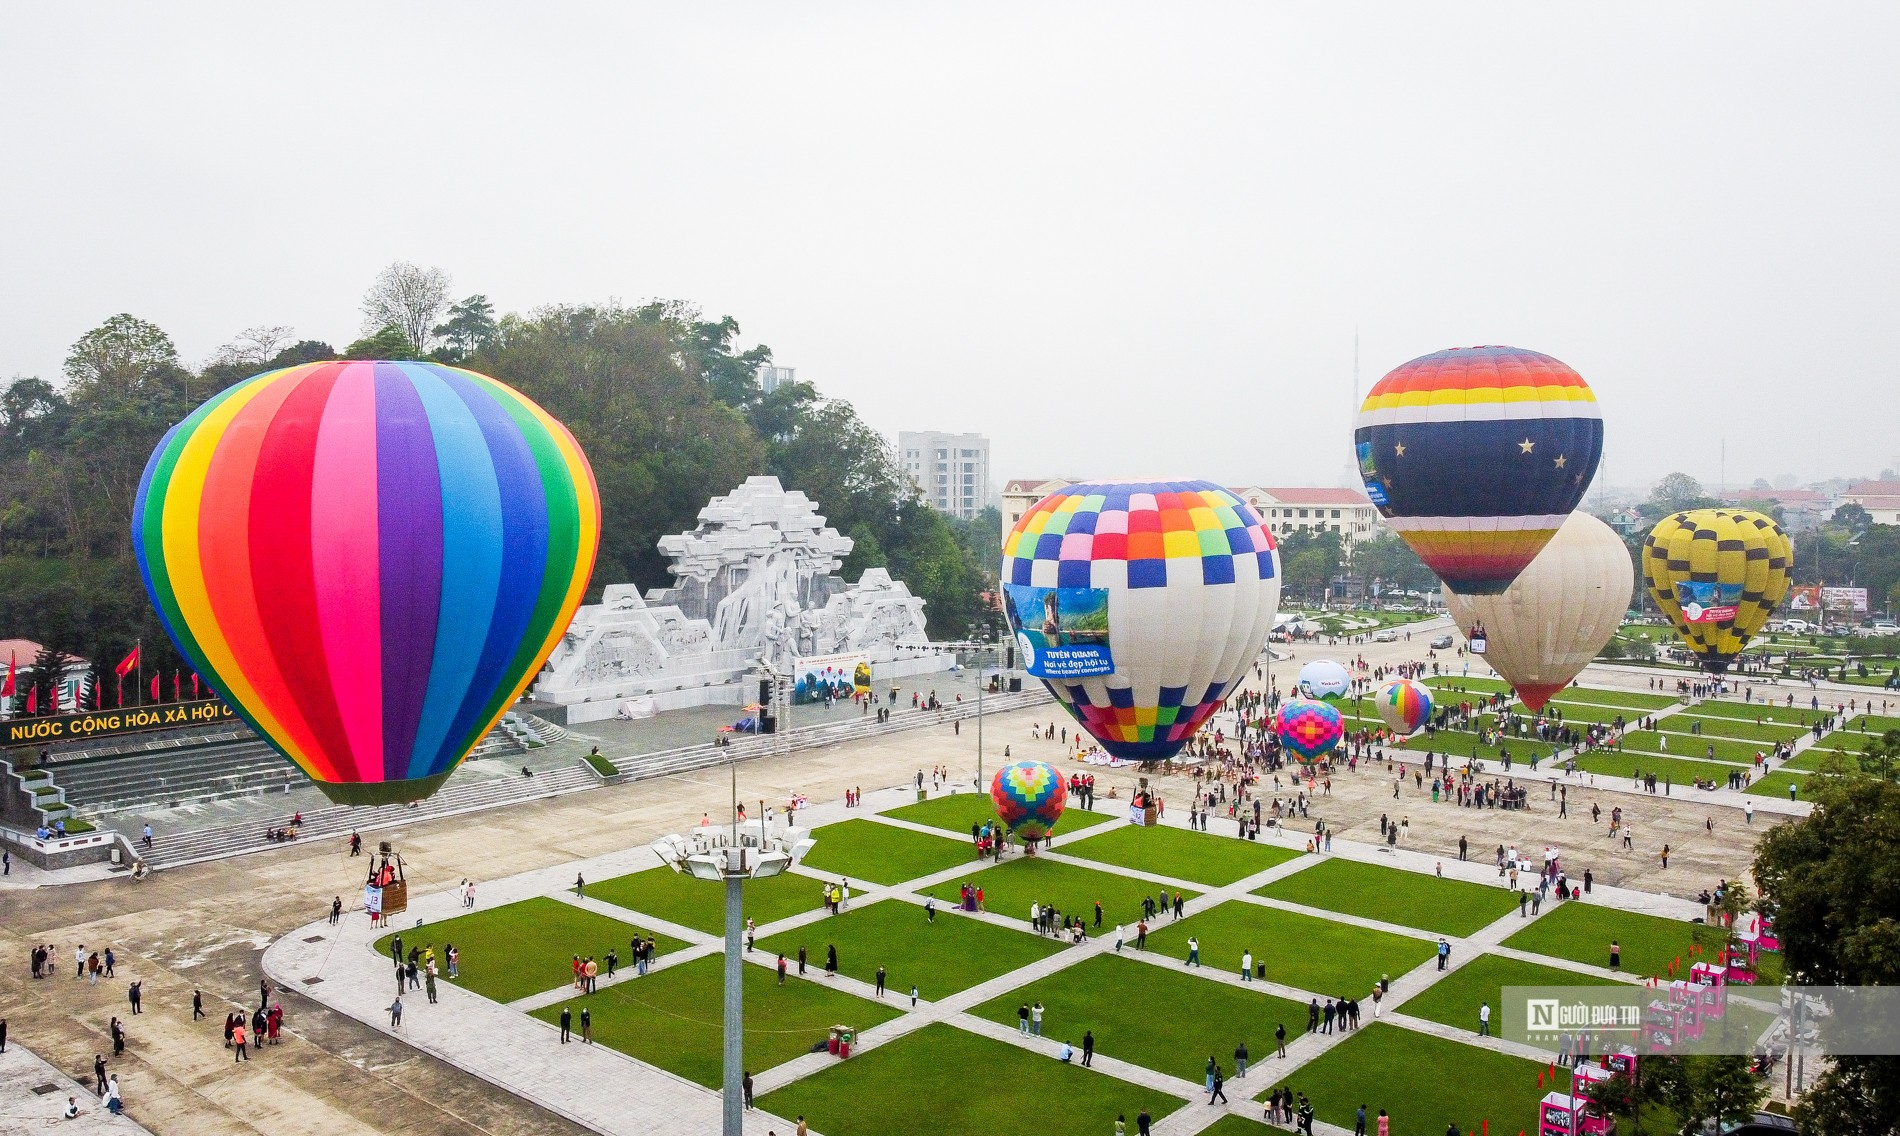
(1475, 456)
(1310, 729)
(1405, 705)
(1029, 796)
(370, 561)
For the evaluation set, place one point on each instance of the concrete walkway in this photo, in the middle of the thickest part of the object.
(33, 1097)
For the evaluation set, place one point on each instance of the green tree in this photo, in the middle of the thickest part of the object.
(1833, 883)
(406, 297)
(1673, 494)
(1853, 518)
(387, 342)
(470, 328)
(1391, 561)
(1309, 559)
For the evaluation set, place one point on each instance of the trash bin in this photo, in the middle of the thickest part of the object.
(115, 855)
(846, 1036)
(1260, 970)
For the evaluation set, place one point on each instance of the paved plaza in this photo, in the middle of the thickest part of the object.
(207, 926)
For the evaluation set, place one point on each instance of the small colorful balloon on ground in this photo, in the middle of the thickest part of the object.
(1308, 728)
(1475, 455)
(1141, 605)
(1029, 797)
(1324, 679)
(370, 561)
(1405, 705)
(1717, 574)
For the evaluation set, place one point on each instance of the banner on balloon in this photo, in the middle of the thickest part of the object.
(839, 676)
(1063, 632)
(1707, 601)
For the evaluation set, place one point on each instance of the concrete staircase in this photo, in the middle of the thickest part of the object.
(335, 822)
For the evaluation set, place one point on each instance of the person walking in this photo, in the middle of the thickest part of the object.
(1359, 1123)
(781, 968)
(1194, 951)
(1035, 1019)
(801, 960)
(1616, 955)
(567, 1022)
(587, 1025)
(1279, 1038)
(1088, 1048)
(1118, 938)
(1484, 1019)
(1143, 1122)
(1246, 966)
(880, 981)
(1022, 1019)
(1240, 1060)
(1217, 1094)
(1444, 953)
(237, 1033)
(580, 885)
(831, 960)
(99, 1073)
(114, 1102)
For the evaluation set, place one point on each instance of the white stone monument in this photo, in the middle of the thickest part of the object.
(754, 590)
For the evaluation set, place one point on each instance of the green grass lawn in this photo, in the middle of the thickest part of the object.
(1159, 1019)
(1686, 745)
(943, 1079)
(672, 1018)
(1776, 785)
(1452, 683)
(1605, 763)
(1581, 932)
(1449, 907)
(679, 898)
(942, 958)
(1425, 1083)
(1779, 714)
(1231, 1125)
(1011, 887)
(1720, 728)
(1628, 699)
(1454, 998)
(1812, 759)
(958, 811)
(1873, 724)
(1305, 951)
(859, 849)
(1591, 712)
(523, 948)
(1200, 857)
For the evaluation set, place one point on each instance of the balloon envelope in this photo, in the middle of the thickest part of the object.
(1405, 705)
(1324, 679)
(1717, 574)
(1475, 455)
(1140, 605)
(1308, 728)
(1029, 797)
(1546, 627)
(370, 561)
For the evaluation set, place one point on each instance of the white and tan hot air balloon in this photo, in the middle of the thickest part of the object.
(1553, 619)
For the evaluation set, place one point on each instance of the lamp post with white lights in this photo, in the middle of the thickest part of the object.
(747, 852)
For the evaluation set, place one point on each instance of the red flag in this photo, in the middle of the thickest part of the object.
(121, 701)
(98, 696)
(194, 685)
(128, 664)
(174, 686)
(7, 690)
(154, 688)
(33, 699)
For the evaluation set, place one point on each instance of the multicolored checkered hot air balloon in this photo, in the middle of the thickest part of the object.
(370, 561)
(1475, 455)
(1405, 705)
(1324, 679)
(1307, 728)
(1029, 796)
(1141, 604)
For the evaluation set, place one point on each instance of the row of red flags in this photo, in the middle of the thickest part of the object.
(126, 665)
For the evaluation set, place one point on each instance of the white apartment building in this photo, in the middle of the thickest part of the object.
(1285, 509)
(771, 378)
(953, 470)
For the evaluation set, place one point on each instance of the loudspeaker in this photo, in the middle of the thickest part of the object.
(1015, 684)
(768, 724)
(765, 692)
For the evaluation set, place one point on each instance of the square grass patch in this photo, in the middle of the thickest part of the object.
(679, 898)
(1627, 699)
(672, 1018)
(1467, 684)
(1874, 724)
(1449, 907)
(1674, 772)
(1231, 1125)
(1324, 957)
(1776, 785)
(1582, 932)
(1201, 857)
(1694, 747)
(941, 958)
(1813, 758)
(1154, 1017)
(1425, 1083)
(1720, 727)
(1011, 887)
(1454, 999)
(956, 812)
(523, 948)
(860, 849)
(942, 1079)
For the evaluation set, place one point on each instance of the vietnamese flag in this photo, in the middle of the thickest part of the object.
(194, 685)
(128, 664)
(154, 688)
(33, 699)
(174, 686)
(12, 664)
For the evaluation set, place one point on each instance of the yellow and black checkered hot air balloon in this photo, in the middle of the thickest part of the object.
(1717, 574)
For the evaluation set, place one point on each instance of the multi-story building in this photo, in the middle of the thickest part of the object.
(1881, 499)
(1286, 510)
(953, 470)
(771, 378)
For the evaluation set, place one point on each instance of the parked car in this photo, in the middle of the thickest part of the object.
(1442, 643)
(1883, 627)
(1385, 635)
(1764, 1124)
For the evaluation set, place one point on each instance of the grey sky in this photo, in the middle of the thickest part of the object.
(1120, 240)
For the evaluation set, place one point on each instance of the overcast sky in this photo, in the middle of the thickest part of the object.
(1119, 240)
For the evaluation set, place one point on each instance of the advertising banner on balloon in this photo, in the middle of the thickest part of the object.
(815, 677)
(1707, 601)
(1063, 632)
